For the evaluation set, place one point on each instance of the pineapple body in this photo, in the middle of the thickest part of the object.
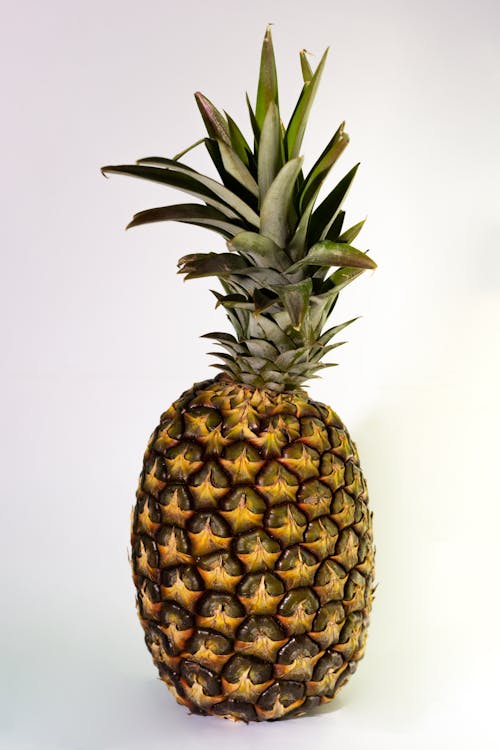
(252, 551)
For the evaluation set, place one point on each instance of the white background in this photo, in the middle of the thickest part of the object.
(100, 335)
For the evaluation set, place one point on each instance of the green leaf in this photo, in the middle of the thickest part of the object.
(254, 123)
(297, 125)
(234, 349)
(222, 355)
(237, 319)
(295, 298)
(287, 359)
(197, 265)
(237, 169)
(232, 369)
(296, 247)
(220, 191)
(267, 90)
(327, 253)
(336, 227)
(239, 143)
(263, 277)
(261, 348)
(261, 249)
(323, 165)
(185, 181)
(188, 149)
(263, 299)
(228, 300)
(233, 301)
(350, 234)
(263, 327)
(343, 277)
(188, 213)
(321, 351)
(221, 337)
(331, 332)
(269, 161)
(213, 149)
(336, 282)
(307, 73)
(215, 122)
(276, 204)
(324, 215)
(257, 364)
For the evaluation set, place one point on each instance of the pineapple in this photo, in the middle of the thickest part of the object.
(252, 549)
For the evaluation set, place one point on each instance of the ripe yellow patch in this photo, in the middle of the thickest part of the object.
(242, 517)
(347, 549)
(172, 552)
(299, 622)
(243, 468)
(259, 557)
(220, 621)
(292, 528)
(304, 463)
(205, 541)
(261, 602)
(180, 593)
(206, 493)
(262, 646)
(217, 578)
(173, 512)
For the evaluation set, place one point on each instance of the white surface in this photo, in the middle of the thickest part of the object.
(100, 335)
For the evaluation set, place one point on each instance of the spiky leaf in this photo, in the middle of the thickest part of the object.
(263, 250)
(232, 200)
(267, 90)
(323, 165)
(307, 73)
(336, 227)
(186, 181)
(270, 149)
(253, 122)
(215, 122)
(298, 122)
(236, 168)
(329, 253)
(276, 205)
(324, 216)
(188, 213)
(331, 332)
(350, 234)
(239, 143)
(197, 265)
(295, 298)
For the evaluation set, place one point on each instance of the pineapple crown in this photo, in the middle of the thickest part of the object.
(277, 279)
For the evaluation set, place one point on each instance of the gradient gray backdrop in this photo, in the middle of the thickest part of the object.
(100, 335)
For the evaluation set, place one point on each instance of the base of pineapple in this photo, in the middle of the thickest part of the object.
(252, 552)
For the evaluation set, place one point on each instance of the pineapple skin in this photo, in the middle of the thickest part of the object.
(252, 551)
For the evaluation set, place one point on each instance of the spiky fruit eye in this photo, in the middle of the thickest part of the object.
(255, 584)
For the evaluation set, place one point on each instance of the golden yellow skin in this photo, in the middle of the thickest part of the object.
(252, 551)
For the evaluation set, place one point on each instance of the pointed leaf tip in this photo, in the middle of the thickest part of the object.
(327, 253)
(307, 72)
(267, 89)
(298, 121)
(214, 120)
